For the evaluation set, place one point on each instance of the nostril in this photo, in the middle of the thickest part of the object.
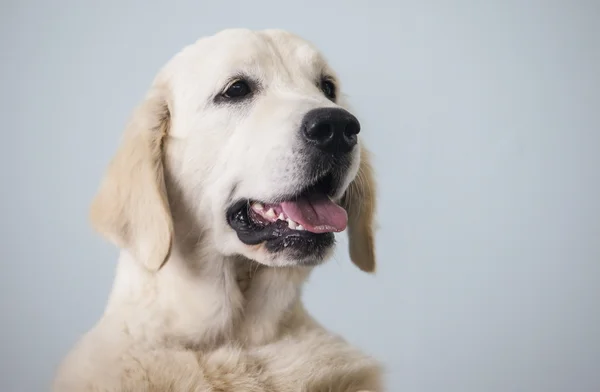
(320, 133)
(352, 129)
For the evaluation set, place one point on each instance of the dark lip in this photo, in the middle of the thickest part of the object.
(277, 235)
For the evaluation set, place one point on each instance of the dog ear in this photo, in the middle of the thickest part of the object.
(360, 202)
(131, 207)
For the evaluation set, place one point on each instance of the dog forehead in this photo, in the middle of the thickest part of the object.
(296, 53)
(264, 54)
(266, 44)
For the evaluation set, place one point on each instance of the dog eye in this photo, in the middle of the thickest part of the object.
(237, 89)
(328, 88)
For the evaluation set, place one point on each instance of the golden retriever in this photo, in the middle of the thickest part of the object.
(232, 177)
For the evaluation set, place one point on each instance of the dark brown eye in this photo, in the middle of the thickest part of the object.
(328, 88)
(237, 89)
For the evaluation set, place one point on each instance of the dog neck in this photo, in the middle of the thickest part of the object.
(201, 302)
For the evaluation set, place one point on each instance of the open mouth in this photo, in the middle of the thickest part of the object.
(303, 222)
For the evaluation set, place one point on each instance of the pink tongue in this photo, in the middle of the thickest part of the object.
(317, 213)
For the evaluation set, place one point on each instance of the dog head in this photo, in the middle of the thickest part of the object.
(252, 129)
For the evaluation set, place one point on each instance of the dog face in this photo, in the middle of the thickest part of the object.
(252, 130)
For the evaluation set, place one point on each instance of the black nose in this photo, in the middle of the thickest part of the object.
(331, 130)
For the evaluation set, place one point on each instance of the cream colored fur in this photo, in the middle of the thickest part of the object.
(192, 308)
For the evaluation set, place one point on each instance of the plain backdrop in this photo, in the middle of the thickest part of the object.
(484, 118)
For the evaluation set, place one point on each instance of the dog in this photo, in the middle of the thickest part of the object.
(232, 176)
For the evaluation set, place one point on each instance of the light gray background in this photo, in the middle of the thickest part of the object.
(484, 118)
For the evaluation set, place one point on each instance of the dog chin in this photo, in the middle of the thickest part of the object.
(291, 256)
(300, 251)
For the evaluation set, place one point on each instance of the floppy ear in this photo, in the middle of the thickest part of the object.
(360, 202)
(131, 207)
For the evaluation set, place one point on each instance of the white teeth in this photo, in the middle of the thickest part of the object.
(294, 225)
(272, 216)
(291, 224)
